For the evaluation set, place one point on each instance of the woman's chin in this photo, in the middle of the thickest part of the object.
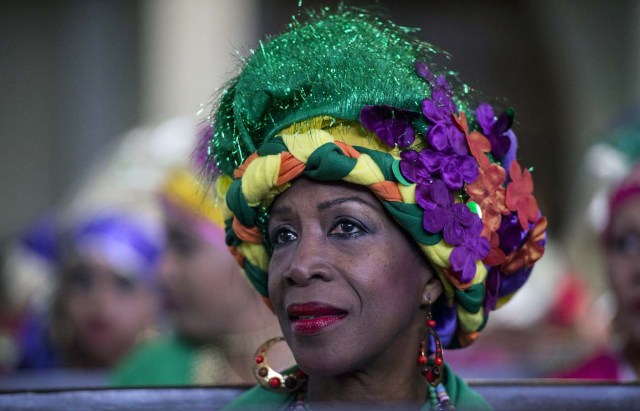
(322, 367)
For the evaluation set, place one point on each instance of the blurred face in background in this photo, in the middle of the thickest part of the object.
(623, 260)
(106, 311)
(201, 279)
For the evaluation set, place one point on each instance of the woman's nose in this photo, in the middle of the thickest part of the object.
(167, 271)
(309, 261)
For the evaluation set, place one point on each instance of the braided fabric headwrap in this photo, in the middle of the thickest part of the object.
(348, 96)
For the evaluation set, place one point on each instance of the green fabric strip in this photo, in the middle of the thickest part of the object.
(329, 163)
(237, 204)
(383, 160)
(258, 278)
(231, 239)
(472, 298)
(410, 216)
(274, 146)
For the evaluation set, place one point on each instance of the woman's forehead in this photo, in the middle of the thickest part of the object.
(323, 195)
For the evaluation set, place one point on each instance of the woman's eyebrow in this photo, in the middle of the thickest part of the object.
(341, 200)
(283, 209)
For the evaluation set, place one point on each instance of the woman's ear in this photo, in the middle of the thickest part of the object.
(432, 290)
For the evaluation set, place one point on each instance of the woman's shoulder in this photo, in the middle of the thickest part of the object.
(463, 396)
(259, 398)
(161, 360)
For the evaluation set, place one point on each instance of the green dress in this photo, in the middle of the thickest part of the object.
(171, 361)
(259, 398)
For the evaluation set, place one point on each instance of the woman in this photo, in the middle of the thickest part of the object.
(622, 241)
(376, 212)
(620, 359)
(217, 317)
(105, 299)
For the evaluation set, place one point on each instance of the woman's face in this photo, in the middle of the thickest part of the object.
(106, 311)
(623, 261)
(347, 284)
(200, 279)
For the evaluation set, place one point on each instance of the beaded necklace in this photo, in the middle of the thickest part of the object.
(437, 400)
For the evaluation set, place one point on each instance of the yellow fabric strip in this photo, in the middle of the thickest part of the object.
(366, 172)
(256, 254)
(184, 187)
(259, 178)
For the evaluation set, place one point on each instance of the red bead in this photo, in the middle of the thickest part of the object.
(431, 323)
(422, 359)
(438, 361)
(274, 382)
(301, 375)
(430, 376)
(259, 359)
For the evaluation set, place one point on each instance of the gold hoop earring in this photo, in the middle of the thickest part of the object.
(270, 379)
(432, 371)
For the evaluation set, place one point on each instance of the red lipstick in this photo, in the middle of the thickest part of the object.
(313, 317)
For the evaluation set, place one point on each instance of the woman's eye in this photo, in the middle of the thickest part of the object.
(627, 243)
(283, 236)
(182, 244)
(347, 228)
(125, 284)
(79, 279)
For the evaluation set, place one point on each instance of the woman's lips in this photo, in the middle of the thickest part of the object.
(312, 318)
(98, 329)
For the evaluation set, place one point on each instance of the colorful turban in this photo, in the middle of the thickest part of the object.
(627, 189)
(348, 96)
(184, 189)
(132, 248)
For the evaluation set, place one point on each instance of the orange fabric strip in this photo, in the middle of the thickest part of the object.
(348, 150)
(290, 168)
(240, 170)
(456, 283)
(251, 235)
(386, 190)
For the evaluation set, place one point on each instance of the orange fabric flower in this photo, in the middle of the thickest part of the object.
(488, 192)
(496, 256)
(520, 195)
(478, 143)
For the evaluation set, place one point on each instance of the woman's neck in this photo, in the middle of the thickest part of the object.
(393, 378)
(367, 388)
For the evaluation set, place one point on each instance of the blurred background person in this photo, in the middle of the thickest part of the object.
(603, 245)
(27, 274)
(614, 212)
(104, 301)
(218, 319)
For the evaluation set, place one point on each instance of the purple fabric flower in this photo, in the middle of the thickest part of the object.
(494, 129)
(509, 284)
(492, 287)
(442, 214)
(511, 154)
(511, 233)
(474, 247)
(439, 111)
(424, 71)
(413, 169)
(446, 317)
(454, 169)
(391, 125)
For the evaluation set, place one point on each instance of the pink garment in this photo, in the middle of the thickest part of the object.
(603, 365)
